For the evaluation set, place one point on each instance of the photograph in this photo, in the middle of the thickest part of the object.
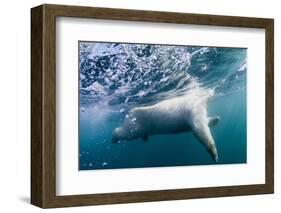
(161, 105)
(155, 100)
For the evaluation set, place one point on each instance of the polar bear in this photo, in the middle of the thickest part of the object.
(176, 115)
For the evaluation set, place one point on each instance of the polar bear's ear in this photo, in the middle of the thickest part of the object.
(212, 121)
(116, 136)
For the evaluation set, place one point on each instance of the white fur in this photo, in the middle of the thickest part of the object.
(180, 114)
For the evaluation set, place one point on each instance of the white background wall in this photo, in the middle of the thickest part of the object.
(15, 104)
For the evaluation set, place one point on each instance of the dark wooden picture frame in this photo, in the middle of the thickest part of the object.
(43, 105)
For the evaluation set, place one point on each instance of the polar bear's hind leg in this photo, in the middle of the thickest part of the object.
(202, 132)
(212, 121)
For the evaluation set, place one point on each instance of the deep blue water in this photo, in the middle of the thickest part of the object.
(115, 78)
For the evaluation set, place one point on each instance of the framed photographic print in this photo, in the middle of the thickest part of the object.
(136, 106)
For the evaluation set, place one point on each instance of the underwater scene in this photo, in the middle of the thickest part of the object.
(156, 105)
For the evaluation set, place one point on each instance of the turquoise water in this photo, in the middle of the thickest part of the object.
(115, 78)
